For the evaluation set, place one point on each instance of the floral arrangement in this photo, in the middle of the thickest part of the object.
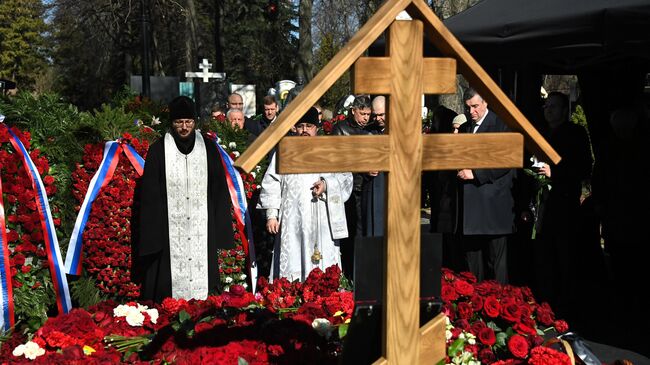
(496, 324)
(542, 185)
(229, 328)
(328, 125)
(288, 322)
(233, 262)
(30, 275)
(107, 236)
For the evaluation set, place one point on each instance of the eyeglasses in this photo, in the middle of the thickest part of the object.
(180, 122)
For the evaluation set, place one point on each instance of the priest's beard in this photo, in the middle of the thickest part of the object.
(184, 144)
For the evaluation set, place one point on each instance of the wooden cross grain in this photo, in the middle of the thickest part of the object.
(404, 152)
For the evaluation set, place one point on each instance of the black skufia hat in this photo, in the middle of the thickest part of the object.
(181, 107)
(311, 116)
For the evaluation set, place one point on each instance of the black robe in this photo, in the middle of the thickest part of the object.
(151, 251)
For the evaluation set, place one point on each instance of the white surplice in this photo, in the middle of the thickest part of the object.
(306, 224)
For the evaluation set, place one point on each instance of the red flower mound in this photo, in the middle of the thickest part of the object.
(107, 236)
(28, 261)
(547, 356)
(494, 323)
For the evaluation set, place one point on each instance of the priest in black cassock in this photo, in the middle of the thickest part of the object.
(184, 212)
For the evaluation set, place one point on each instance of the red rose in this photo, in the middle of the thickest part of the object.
(464, 310)
(487, 336)
(463, 287)
(518, 346)
(491, 307)
(525, 327)
(486, 356)
(448, 293)
(511, 312)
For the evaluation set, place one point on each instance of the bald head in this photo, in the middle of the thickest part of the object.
(379, 110)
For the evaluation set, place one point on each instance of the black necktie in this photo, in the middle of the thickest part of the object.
(474, 125)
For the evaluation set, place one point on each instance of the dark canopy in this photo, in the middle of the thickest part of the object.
(555, 34)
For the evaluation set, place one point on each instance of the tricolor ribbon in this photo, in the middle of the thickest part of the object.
(6, 290)
(102, 177)
(240, 208)
(47, 225)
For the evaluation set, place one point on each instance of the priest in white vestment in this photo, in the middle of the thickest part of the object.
(307, 211)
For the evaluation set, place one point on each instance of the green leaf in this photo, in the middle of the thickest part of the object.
(241, 361)
(494, 326)
(183, 316)
(458, 345)
(343, 330)
(501, 339)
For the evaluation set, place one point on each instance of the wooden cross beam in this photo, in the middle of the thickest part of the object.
(404, 152)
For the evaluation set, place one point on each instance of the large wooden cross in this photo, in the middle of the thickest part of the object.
(404, 152)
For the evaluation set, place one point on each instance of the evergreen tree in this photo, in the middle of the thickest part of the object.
(23, 53)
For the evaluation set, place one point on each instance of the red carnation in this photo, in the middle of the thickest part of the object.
(547, 356)
(518, 346)
(561, 326)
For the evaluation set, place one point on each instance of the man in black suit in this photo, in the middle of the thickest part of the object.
(258, 124)
(488, 203)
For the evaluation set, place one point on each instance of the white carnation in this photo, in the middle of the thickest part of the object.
(232, 145)
(153, 314)
(242, 277)
(135, 318)
(121, 310)
(31, 350)
(228, 280)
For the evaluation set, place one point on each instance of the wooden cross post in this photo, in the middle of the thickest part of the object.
(405, 75)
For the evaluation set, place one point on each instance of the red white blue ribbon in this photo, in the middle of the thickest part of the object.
(240, 207)
(6, 289)
(104, 175)
(47, 225)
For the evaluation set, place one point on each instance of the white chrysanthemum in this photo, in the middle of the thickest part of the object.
(121, 310)
(245, 285)
(135, 318)
(232, 145)
(242, 277)
(228, 280)
(153, 314)
(31, 350)
(235, 153)
(322, 326)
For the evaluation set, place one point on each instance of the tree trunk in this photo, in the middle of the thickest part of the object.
(305, 55)
(191, 39)
(218, 36)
